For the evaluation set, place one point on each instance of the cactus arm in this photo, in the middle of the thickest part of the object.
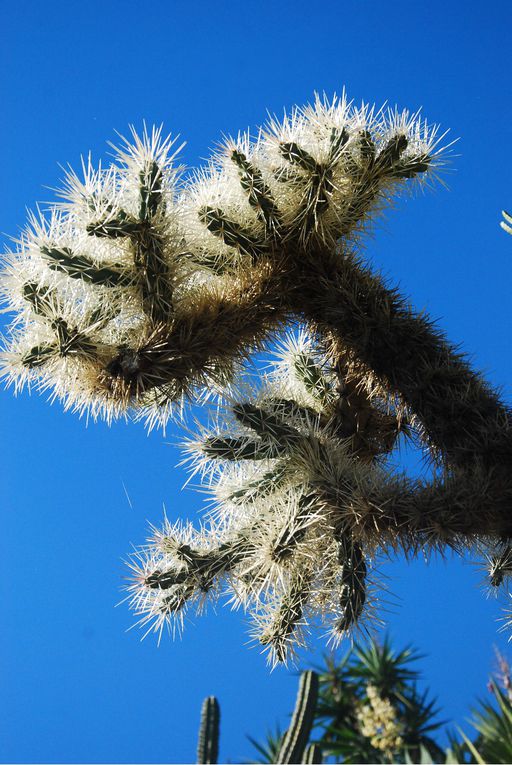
(506, 223)
(200, 344)
(209, 731)
(296, 737)
(462, 415)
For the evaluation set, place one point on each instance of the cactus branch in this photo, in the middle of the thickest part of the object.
(137, 292)
(297, 736)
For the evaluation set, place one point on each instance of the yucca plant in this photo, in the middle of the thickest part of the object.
(143, 288)
(367, 709)
(370, 709)
(351, 733)
(267, 750)
(492, 720)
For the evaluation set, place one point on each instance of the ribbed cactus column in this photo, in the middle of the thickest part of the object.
(296, 738)
(312, 755)
(209, 732)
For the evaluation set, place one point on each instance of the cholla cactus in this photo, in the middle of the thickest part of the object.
(303, 505)
(185, 281)
(506, 223)
(143, 287)
(99, 274)
(284, 469)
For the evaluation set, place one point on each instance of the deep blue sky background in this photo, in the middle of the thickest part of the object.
(75, 687)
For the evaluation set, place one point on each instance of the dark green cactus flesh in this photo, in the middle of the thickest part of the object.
(296, 737)
(208, 742)
(312, 755)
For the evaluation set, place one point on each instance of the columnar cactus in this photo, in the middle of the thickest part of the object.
(295, 740)
(144, 287)
(209, 732)
(291, 747)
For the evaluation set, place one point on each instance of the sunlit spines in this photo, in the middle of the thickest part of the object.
(135, 294)
(224, 231)
(144, 220)
(259, 194)
(284, 536)
(178, 568)
(126, 230)
(112, 255)
(283, 486)
(282, 623)
(353, 582)
(314, 176)
(499, 564)
(506, 223)
(300, 512)
(338, 164)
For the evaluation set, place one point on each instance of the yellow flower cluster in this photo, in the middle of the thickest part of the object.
(378, 722)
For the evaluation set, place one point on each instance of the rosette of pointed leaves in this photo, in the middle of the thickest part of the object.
(352, 689)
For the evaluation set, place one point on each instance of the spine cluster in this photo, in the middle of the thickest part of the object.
(145, 286)
(303, 505)
(121, 291)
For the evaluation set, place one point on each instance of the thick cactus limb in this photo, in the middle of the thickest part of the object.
(297, 736)
(209, 731)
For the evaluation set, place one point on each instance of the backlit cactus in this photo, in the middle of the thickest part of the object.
(283, 467)
(187, 276)
(145, 286)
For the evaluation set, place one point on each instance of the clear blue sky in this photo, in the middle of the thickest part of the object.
(75, 686)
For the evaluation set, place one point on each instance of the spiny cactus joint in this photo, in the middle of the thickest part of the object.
(142, 289)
